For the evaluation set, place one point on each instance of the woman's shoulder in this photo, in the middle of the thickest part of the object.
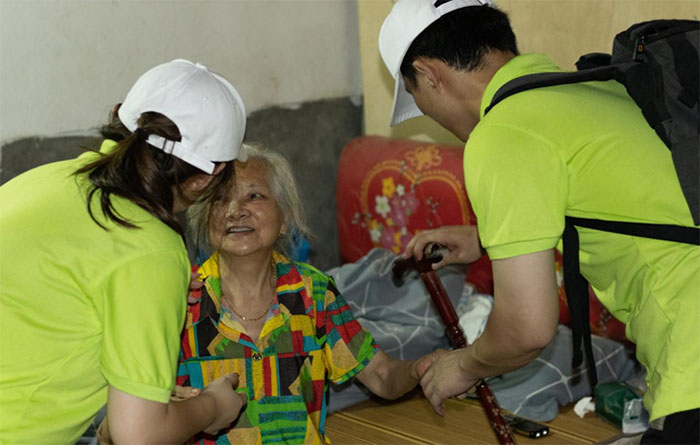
(305, 274)
(304, 269)
(310, 270)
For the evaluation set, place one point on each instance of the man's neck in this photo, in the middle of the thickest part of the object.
(480, 78)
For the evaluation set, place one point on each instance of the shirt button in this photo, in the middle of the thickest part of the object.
(257, 356)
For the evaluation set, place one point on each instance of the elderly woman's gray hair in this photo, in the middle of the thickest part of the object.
(283, 188)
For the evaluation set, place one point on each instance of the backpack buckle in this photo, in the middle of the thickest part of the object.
(639, 50)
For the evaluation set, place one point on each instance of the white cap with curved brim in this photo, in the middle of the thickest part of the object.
(407, 19)
(206, 108)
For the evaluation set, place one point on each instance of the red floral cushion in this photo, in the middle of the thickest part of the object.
(388, 190)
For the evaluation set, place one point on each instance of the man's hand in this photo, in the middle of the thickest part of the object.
(462, 243)
(425, 362)
(445, 378)
(228, 402)
(521, 324)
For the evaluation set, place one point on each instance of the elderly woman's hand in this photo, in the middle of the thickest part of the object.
(196, 285)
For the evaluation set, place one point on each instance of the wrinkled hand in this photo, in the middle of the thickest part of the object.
(423, 363)
(228, 402)
(462, 243)
(444, 379)
(181, 393)
(196, 285)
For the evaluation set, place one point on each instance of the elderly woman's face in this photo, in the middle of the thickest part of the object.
(247, 220)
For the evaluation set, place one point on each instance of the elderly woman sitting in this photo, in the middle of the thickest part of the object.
(281, 325)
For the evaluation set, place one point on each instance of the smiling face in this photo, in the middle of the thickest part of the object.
(247, 220)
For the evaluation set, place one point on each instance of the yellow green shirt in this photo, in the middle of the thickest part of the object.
(81, 308)
(585, 150)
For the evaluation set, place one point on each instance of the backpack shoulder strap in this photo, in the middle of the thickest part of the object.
(539, 80)
(576, 285)
(665, 232)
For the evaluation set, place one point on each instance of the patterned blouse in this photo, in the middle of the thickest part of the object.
(309, 339)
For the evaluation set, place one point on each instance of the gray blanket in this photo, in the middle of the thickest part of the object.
(405, 325)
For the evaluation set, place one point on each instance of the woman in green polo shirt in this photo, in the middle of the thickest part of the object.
(94, 271)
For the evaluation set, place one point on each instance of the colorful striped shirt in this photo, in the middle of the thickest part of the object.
(311, 339)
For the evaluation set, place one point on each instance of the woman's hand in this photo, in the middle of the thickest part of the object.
(462, 243)
(391, 378)
(228, 402)
(181, 393)
(103, 436)
(196, 285)
(132, 419)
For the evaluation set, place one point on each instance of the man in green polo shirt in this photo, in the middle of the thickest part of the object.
(580, 150)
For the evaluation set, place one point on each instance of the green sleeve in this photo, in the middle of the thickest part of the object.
(144, 300)
(517, 184)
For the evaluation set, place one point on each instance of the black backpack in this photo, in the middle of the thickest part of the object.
(658, 62)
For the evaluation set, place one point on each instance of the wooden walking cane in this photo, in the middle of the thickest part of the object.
(454, 330)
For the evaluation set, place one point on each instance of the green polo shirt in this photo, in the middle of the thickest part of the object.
(585, 150)
(81, 308)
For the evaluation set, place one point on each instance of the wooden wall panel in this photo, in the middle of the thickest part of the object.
(564, 29)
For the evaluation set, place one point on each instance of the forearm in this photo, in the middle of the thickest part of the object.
(191, 416)
(523, 319)
(153, 422)
(399, 380)
(496, 353)
(389, 378)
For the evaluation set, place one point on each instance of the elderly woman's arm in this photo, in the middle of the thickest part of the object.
(389, 378)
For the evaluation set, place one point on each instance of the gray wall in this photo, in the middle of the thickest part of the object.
(311, 136)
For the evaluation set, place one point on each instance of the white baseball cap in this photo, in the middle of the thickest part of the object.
(206, 108)
(407, 19)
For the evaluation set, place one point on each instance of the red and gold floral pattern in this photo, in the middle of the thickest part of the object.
(399, 190)
(388, 190)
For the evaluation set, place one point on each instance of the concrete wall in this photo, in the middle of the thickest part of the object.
(564, 29)
(65, 63)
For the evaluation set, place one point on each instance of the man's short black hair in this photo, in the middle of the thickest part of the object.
(461, 39)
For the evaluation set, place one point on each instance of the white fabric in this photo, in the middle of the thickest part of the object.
(407, 19)
(473, 309)
(584, 406)
(206, 108)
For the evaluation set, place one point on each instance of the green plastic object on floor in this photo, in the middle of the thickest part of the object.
(621, 405)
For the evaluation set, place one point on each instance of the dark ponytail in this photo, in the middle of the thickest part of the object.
(137, 171)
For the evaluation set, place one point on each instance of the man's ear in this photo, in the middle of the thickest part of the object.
(429, 69)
